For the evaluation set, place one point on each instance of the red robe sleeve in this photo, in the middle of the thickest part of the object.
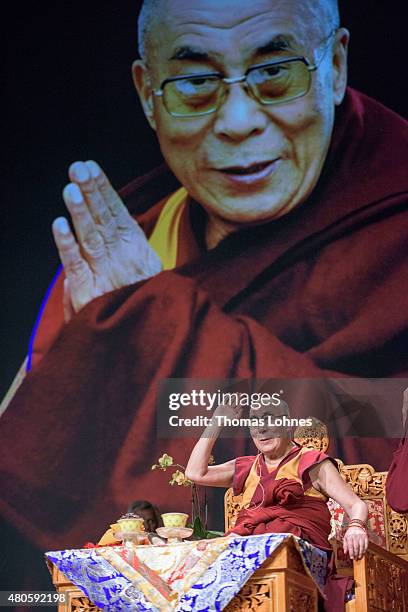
(308, 459)
(396, 488)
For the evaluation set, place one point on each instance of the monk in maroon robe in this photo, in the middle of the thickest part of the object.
(290, 262)
(283, 489)
(283, 503)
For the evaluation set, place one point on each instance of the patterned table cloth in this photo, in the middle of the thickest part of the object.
(198, 575)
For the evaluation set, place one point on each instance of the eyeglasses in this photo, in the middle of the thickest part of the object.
(275, 82)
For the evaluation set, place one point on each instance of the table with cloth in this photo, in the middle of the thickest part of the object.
(187, 576)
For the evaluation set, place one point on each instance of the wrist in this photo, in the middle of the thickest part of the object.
(358, 521)
(212, 431)
(357, 524)
(356, 527)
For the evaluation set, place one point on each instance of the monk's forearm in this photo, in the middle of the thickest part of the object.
(197, 466)
(358, 510)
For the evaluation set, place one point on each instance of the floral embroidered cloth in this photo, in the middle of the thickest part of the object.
(199, 575)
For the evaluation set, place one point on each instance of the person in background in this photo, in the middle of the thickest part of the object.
(152, 521)
(148, 512)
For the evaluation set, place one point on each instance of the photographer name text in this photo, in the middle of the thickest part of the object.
(221, 420)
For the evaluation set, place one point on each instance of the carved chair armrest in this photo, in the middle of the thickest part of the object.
(381, 580)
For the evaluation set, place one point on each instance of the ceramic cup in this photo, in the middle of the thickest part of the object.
(130, 525)
(174, 519)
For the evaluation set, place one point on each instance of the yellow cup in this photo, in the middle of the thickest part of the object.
(131, 525)
(174, 519)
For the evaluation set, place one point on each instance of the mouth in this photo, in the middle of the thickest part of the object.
(245, 170)
(249, 174)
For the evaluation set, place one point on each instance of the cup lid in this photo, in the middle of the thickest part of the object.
(130, 516)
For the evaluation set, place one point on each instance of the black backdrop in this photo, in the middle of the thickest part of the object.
(69, 96)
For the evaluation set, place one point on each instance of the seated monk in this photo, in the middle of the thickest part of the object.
(284, 489)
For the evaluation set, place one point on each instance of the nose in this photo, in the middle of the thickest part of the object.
(239, 116)
(262, 427)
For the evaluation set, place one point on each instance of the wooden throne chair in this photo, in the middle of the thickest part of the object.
(380, 577)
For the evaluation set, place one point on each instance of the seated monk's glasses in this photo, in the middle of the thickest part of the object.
(272, 82)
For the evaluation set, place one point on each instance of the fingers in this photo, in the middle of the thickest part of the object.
(348, 547)
(69, 252)
(354, 547)
(107, 254)
(74, 264)
(105, 205)
(86, 176)
(110, 196)
(89, 238)
(363, 545)
(355, 544)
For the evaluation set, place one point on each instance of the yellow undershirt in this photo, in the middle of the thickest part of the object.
(288, 470)
(165, 236)
(251, 483)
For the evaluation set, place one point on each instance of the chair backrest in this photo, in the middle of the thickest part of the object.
(386, 527)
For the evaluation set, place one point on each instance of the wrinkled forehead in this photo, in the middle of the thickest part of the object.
(232, 28)
(263, 412)
(273, 411)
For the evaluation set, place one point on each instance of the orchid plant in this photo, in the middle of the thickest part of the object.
(178, 477)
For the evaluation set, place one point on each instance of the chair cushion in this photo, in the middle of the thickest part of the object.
(376, 525)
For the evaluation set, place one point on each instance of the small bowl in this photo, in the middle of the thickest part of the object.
(174, 519)
(131, 525)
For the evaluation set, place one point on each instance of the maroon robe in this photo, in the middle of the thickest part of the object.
(280, 505)
(396, 488)
(320, 292)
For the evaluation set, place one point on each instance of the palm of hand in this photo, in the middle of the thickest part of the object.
(110, 250)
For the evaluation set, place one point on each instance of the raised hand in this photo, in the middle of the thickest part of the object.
(110, 250)
(232, 410)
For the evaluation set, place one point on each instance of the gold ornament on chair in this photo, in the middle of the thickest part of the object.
(314, 436)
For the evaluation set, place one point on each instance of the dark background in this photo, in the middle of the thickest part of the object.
(68, 95)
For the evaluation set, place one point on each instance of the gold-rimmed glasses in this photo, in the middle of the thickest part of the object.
(274, 82)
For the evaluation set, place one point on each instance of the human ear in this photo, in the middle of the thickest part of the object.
(144, 89)
(340, 64)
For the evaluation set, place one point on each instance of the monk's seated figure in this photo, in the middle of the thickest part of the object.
(284, 487)
(282, 498)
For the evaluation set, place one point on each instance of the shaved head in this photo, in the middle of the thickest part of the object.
(146, 22)
(320, 16)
